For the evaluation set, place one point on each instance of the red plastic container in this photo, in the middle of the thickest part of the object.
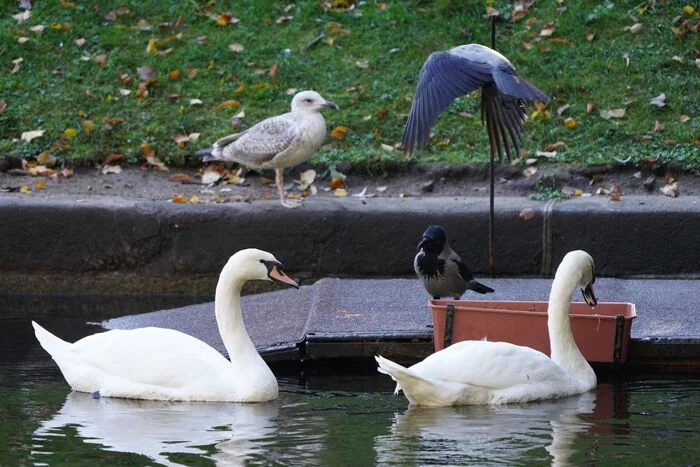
(601, 335)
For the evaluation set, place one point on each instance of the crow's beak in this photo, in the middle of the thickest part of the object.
(589, 296)
(277, 275)
(330, 105)
(422, 243)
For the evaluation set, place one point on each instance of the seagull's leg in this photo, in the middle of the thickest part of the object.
(279, 181)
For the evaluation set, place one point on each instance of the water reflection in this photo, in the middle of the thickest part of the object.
(159, 429)
(536, 432)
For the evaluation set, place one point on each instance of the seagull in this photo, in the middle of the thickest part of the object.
(278, 142)
(441, 270)
(456, 72)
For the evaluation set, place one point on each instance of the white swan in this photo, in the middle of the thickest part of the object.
(164, 364)
(482, 372)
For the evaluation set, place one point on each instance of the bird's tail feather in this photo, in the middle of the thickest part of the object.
(48, 341)
(478, 287)
(418, 390)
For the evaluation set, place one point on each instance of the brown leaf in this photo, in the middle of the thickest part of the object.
(684, 118)
(181, 178)
(224, 19)
(590, 107)
(658, 126)
(228, 103)
(179, 199)
(181, 140)
(3, 106)
(157, 164)
(547, 30)
(111, 169)
(554, 146)
(101, 60)
(590, 36)
(174, 74)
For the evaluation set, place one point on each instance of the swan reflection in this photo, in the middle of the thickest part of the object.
(158, 429)
(483, 435)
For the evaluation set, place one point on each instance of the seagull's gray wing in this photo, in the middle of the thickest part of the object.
(443, 78)
(263, 141)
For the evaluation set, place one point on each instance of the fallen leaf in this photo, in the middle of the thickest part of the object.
(154, 161)
(562, 108)
(224, 19)
(381, 189)
(689, 10)
(341, 192)
(492, 12)
(23, 16)
(152, 46)
(237, 48)
(23, 40)
(612, 113)
(361, 194)
(306, 178)
(227, 104)
(16, 63)
(684, 118)
(626, 58)
(196, 102)
(530, 171)
(25, 189)
(284, 19)
(590, 36)
(3, 106)
(69, 132)
(526, 214)
(678, 59)
(658, 126)
(387, 147)
(670, 190)
(146, 73)
(101, 60)
(339, 132)
(191, 72)
(465, 114)
(181, 178)
(634, 29)
(547, 154)
(181, 140)
(364, 64)
(30, 135)
(212, 174)
(111, 169)
(547, 30)
(570, 123)
(174, 74)
(554, 146)
(337, 179)
(236, 178)
(615, 193)
(659, 101)
(179, 199)
(590, 107)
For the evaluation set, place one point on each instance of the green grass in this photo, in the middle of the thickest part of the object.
(58, 84)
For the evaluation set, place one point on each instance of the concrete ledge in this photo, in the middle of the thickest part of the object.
(146, 244)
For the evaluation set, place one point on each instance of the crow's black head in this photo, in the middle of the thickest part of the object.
(434, 239)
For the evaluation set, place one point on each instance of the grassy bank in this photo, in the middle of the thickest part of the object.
(103, 78)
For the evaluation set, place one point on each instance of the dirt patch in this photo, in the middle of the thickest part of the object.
(419, 181)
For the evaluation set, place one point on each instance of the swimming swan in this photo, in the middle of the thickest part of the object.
(482, 372)
(164, 364)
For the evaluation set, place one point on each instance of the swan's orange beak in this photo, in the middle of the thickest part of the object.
(589, 296)
(277, 275)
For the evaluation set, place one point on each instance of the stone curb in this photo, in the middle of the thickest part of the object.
(119, 245)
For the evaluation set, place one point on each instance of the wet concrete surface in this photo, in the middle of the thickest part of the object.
(367, 316)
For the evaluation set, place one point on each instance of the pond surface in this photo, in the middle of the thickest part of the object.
(318, 420)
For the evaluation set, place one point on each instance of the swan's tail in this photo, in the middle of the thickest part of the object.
(48, 341)
(418, 390)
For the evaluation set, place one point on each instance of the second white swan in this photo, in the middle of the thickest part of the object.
(482, 372)
(165, 364)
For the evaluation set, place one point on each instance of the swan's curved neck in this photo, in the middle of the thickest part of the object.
(565, 352)
(227, 304)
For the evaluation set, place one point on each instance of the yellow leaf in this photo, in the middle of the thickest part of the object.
(152, 46)
(69, 132)
(341, 192)
(228, 103)
(147, 149)
(25, 189)
(570, 123)
(41, 184)
(179, 199)
(339, 132)
(689, 10)
(174, 74)
(194, 199)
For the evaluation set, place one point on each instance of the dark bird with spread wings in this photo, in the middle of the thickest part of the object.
(450, 74)
(278, 142)
(441, 270)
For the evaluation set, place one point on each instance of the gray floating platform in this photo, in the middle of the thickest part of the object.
(358, 318)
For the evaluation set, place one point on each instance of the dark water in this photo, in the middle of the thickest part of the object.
(321, 420)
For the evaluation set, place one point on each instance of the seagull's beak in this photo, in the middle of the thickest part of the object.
(589, 296)
(277, 275)
(330, 105)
